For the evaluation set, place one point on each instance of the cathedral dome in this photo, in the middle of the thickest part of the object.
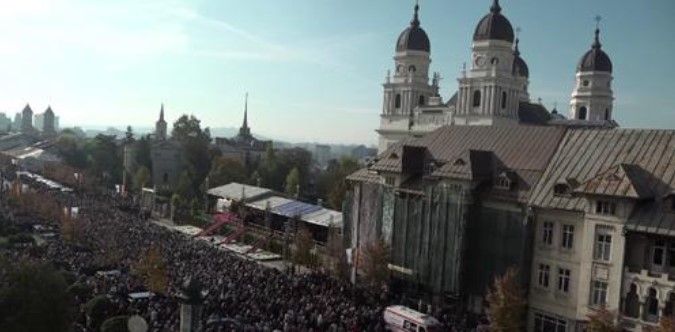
(413, 38)
(595, 59)
(519, 65)
(494, 26)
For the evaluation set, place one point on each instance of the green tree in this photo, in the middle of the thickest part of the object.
(35, 299)
(506, 303)
(185, 187)
(141, 178)
(141, 152)
(375, 263)
(115, 324)
(226, 170)
(293, 183)
(195, 144)
(98, 310)
(70, 147)
(105, 159)
(129, 136)
(340, 185)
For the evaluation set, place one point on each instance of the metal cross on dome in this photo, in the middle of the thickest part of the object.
(597, 19)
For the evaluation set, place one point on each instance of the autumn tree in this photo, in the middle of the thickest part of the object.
(152, 267)
(336, 255)
(666, 324)
(506, 303)
(304, 243)
(602, 320)
(376, 256)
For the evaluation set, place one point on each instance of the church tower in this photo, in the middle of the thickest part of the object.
(244, 130)
(490, 93)
(409, 87)
(160, 126)
(592, 98)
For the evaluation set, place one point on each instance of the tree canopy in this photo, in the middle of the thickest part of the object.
(35, 299)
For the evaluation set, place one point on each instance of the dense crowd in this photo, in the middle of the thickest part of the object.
(258, 298)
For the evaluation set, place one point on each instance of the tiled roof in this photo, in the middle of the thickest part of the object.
(585, 155)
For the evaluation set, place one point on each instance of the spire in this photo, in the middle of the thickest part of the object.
(495, 8)
(516, 50)
(245, 124)
(161, 113)
(416, 21)
(596, 43)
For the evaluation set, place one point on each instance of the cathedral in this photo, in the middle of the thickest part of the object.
(493, 91)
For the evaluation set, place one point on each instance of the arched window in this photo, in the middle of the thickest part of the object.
(632, 307)
(606, 113)
(652, 307)
(421, 101)
(397, 101)
(504, 96)
(670, 304)
(412, 69)
(583, 113)
(399, 68)
(476, 98)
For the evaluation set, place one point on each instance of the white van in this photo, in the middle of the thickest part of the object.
(400, 318)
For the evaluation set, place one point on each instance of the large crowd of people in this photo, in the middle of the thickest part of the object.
(251, 297)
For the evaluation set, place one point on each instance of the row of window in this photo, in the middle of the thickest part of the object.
(582, 113)
(477, 99)
(397, 101)
(563, 280)
(602, 248)
(567, 235)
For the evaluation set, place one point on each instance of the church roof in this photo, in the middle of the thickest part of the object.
(534, 114)
(494, 26)
(414, 37)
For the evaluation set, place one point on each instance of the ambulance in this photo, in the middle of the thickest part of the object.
(403, 319)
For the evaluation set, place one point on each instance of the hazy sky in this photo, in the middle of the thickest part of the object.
(313, 68)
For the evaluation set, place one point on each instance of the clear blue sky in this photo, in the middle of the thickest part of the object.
(313, 68)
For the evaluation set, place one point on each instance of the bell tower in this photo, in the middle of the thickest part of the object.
(592, 97)
(409, 87)
(490, 92)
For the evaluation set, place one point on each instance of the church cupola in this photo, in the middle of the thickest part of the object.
(520, 68)
(494, 26)
(414, 38)
(592, 97)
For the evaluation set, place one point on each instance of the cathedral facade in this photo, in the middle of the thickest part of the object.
(492, 91)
